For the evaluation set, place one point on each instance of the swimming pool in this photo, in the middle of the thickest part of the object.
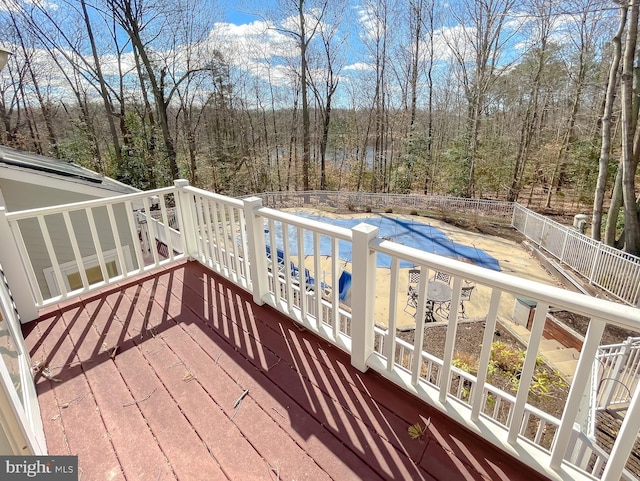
(406, 232)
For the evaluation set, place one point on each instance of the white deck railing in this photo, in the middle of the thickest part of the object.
(301, 278)
(72, 249)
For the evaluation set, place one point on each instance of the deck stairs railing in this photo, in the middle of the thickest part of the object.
(615, 376)
(295, 265)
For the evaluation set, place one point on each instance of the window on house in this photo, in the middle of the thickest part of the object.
(71, 274)
(94, 275)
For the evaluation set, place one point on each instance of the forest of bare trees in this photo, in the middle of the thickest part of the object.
(532, 101)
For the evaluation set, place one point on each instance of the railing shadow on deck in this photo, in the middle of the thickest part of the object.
(305, 377)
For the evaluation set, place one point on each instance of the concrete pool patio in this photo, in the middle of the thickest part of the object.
(513, 258)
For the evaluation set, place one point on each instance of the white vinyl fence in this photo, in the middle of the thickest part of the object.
(358, 201)
(606, 267)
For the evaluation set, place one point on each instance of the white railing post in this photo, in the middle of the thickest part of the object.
(257, 249)
(513, 214)
(185, 213)
(14, 270)
(363, 295)
(625, 440)
(577, 391)
(544, 224)
(564, 245)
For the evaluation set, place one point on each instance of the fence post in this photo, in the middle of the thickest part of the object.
(612, 387)
(187, 223)
(541, 239)
(513, 214)
(257, 249)
(564, 245)
(596, 259)
(363, 295)
(14, 270)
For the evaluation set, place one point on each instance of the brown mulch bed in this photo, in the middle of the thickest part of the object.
(612, 334)
(468, 344)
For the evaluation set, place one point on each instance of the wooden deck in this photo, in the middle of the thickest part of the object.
(178, 375)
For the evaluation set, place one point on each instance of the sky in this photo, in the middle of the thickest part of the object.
(261, 55)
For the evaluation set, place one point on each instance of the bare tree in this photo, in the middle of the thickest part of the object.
(324, 82)
(605, 148)
(583, 31)
(482, 39)
(102, 84)
(45, 104)
(629, 126)
(542, 12)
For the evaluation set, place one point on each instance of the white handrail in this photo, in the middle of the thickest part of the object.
(228, 235)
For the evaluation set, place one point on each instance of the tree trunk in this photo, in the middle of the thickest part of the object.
(629, 163)
(103, 87)
(416, 16)
(151, 140)
(527, 129)
(429, 157)
(45, 105)
(275, 133)
(306, 123)
(130, 23)
(603, 161)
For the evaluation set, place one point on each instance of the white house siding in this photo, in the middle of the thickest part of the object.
(22, 196)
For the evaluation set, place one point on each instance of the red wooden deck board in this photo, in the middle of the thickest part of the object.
(72, 408)
(331, 414)
(392, 428)
(273, 403)
(193, 343)
(273, 448)
(138, 451)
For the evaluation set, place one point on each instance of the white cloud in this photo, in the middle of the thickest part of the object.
(109, 63)
(253, 41)
(359, 66)
(15, 6)
(371, 25)
(451, 42)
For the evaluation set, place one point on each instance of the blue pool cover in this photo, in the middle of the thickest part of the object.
(406, 232)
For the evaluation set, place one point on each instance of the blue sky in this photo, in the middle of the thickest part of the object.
(260, 55)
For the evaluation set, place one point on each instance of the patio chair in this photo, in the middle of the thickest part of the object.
(412, 299)
(414, 280)
(280, 254)
(465, 295)
(442, 277)
(344, 284)
(412, 289)
(414, 277)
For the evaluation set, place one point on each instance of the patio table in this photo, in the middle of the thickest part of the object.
(437, 293)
